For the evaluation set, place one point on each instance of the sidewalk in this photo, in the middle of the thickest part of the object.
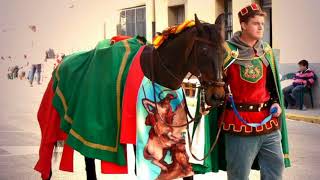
(309, 115)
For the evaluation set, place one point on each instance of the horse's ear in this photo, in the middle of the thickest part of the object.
(199, 26)
(220, 23)
(220, 20)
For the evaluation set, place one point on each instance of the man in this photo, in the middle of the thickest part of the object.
(253, 123)
(253, 79)
(303, 79)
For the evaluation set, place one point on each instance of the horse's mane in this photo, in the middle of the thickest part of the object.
(173, 31)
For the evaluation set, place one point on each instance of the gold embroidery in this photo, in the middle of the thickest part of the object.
(259, 128)
(252, 73)
(228, 53)
(249, 129)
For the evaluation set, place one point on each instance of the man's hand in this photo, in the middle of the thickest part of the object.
(279, 110)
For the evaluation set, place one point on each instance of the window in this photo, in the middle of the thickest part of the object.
(228, 19)
(132, 22)
(176, 15)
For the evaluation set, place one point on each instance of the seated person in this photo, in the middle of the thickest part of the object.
(304, 78)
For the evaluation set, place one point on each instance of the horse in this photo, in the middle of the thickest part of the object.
(197, 50)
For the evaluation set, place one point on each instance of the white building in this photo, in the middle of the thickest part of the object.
(292, 26)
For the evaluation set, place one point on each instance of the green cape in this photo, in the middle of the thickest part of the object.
(88, 96)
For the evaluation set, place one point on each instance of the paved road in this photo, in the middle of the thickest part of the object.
(20, 138)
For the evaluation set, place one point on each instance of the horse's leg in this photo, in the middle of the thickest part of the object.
(188, 178)
(90, 168)
(135, 155)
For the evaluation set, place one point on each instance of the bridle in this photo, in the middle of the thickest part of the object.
(204, 85)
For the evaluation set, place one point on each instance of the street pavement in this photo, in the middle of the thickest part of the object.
(20, 139)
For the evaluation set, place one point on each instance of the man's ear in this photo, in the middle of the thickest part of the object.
(243, 26)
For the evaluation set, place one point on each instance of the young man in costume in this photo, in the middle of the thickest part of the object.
(252, 75)
(250, 139)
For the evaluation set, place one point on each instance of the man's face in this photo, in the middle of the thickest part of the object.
(254, 27)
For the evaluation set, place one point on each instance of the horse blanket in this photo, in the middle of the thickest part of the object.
(105, 102)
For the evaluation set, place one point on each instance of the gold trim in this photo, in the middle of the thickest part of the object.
(118, 86)
(63, 100)
(286, 156)
(92, 145)
(57, 72)
(226, 46)
(250, 59)
(65, 106)
(68, 118)
(233, 127)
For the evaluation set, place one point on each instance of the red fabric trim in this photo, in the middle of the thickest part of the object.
(66, 163)
(128, 121)
(49, 122)
(44, 163)
(112, 168)
(115, 39)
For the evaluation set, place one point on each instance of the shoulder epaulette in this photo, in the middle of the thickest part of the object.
(231, 54)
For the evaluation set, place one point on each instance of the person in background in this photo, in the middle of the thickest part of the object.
(35, 69)
(303, 79)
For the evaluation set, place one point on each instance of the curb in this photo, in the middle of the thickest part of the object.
(299, 117)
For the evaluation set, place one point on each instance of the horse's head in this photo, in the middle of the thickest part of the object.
(207, 52)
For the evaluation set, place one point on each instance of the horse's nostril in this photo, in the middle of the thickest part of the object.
(216, 96)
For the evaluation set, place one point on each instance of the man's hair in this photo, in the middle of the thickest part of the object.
(251, 15)
(304, 63)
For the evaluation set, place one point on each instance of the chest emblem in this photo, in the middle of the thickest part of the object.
(252, 72)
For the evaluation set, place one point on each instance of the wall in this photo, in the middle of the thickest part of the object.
(237, 5)
(295, 30)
